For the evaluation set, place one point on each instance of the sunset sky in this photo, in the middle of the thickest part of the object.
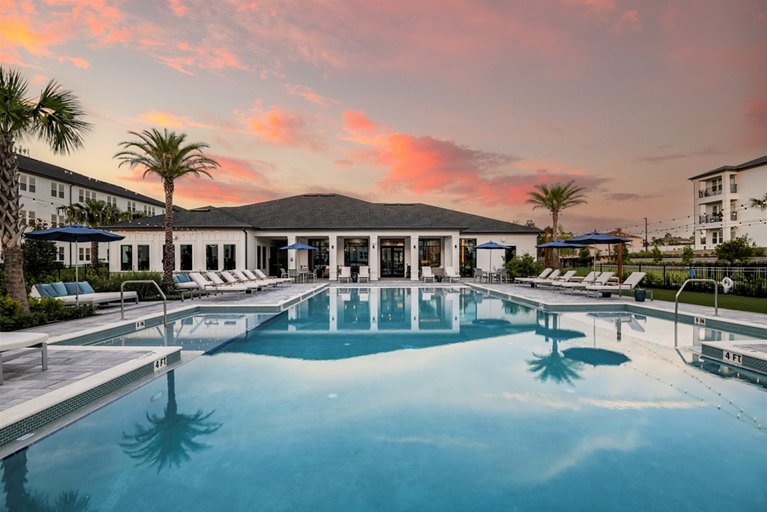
(460, 104)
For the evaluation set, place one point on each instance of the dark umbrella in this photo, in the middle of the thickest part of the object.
(491, 245)
(560, 244)
(596, 238)
(596, 356)
(298, 246)
(74, 233)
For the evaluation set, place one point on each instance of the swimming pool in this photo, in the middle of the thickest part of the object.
(408, 399)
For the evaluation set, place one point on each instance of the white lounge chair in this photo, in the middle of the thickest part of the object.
(560, 279)
(231, 279)
(602, 279)
(588, 278)
(451, 275)
(606, 290)
(17, 341)
(426, 274)
(364, 273)
(205, 284)
(542, 275)
(552, 277)
(346, 273)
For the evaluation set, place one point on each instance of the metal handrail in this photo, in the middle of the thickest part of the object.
(147, 281)
(716, 296)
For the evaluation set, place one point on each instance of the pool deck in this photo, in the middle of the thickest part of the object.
(75, 369)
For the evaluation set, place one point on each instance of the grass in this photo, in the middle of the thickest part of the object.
(753, 304)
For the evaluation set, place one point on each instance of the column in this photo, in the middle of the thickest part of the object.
(455, 251)
(292, 263)
(414, 267)
(373, 257)
(333, 263)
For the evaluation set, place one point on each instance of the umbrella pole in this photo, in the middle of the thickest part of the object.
(619, 248)
(77, 276)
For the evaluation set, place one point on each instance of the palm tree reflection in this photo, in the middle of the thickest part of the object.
(554, 365)
(19, 499)
(169, 439)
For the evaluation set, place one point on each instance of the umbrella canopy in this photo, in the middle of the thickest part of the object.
(491, 245)
(74, 233)
(298, 246)
(597, 238)
(560, 244)
(596, 356)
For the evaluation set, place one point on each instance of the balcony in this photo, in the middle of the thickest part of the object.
(711, 217)
(709, 192)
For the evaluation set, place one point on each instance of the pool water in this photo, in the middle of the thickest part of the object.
(408, 399)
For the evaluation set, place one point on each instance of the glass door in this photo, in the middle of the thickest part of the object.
(392, 258)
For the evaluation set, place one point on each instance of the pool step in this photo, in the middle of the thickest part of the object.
(746, 354)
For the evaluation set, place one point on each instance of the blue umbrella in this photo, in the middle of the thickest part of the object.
(559, 244)
(297, 246)
(596, 237)
(492, 245)
(74, 233)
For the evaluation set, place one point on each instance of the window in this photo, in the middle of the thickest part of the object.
(112, 200)
(149, 210)
(230, 256)
(126, 257)
(86, 194)
(142, 257)
(27, 183)
(211, 257)
(321, 256)
(716, 237)
(356, 252)
(84, 254)
(58, 220)
(430, 252)
(468, 256)
(510, 253)
(60, 252)
(28, 217)
(185, 257)
(57, 190)
(132, 207)
(258, 256)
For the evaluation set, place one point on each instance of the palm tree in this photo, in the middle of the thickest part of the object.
(56, 117)
(169, 438)
(759, 203)
(556, 199)
(167, 155)
(94, 213)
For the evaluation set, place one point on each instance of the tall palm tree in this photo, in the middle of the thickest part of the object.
(759, 203)
(94, 213)
(57, 118)
(169, 156)
(555, 199)
(169, 438)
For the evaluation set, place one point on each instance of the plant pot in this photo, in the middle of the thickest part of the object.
(640, 295)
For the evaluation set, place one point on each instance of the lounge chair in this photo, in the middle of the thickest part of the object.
(606, 290)
(364, 274)
(542, 275)
(451, 275)
(600, 280)
(560, 279)
(68, 294)
(184, 284)
(588, 278)
(17, 341)
(346, 273)
(260, 275)
(205, 284)
(426, 274)
(551, 278)
(231, 279)
(243, 275)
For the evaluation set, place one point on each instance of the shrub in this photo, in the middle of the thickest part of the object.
(41, 311)
(523, 266)
(687, 255)
(734, 250)
(657, 256)
(112, 283)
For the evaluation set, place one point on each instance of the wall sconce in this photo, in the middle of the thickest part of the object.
(374, 246)
(332, 247)
(456, 247)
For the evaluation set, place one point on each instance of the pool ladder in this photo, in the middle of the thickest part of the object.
(676, 301)
(159, 290)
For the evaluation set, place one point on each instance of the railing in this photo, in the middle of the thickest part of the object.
(709, 192)
(713, 217)
(159, 290)
(716, 296)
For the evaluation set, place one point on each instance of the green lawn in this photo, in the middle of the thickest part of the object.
(753, 304)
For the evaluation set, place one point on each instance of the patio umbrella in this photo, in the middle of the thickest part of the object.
(490, 246)
(596, 238)
(560, 244)
(596, 356)
(74, 233)
(298, 246)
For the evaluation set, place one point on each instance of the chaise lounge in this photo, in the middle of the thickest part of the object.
(17, 341)
(606, 290)
(68, 293)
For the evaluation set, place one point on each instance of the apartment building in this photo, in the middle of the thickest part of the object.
(722, 204)
(44, 188)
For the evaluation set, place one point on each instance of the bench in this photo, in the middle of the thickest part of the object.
(20, 340)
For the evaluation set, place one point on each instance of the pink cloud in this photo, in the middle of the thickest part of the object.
(308, 94)
(178, 7)
(426, 165)
(284, 128)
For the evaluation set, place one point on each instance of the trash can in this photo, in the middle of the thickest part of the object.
(640, 295)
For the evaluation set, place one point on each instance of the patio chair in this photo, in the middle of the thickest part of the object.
(364, 274)
(345, 273)
(501, 275)
(479, 275)
(17, 341)
(542, 275)
(426, 274)
(607, 290)
(451, 275)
